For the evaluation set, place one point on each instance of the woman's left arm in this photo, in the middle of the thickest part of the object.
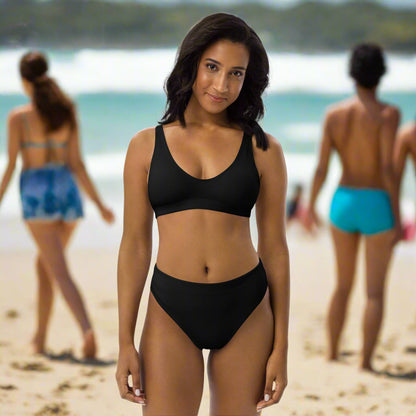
(391, 120)
(77, 166)
(13, 130)
(273, 251)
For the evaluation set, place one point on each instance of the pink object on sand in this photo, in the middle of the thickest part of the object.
(409, 230)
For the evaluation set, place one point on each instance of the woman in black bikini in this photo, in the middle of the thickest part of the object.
(202, 171)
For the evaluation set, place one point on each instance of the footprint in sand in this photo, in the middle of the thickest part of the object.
(31, 366)
(312, 397)
(404, 371)
(373, 408)
(380, 357)
(312, 350)
(342, 410)
(52, 409)
(360, 390)
(12, 314)
(8, 387)
(68, 385)
(410, 401)
(390, 343)
(90, 373)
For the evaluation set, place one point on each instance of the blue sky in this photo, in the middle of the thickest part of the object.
(277, 3)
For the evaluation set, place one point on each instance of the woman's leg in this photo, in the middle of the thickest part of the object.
(46, 292)
(237, 372)
(172, 367)
(378, 254)
(346, 248)
(48, 239)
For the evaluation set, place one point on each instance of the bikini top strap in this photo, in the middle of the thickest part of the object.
(160, 141)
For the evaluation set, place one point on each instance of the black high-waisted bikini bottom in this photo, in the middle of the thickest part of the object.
(210, 313)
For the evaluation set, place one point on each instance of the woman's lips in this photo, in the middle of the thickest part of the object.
(215, 98)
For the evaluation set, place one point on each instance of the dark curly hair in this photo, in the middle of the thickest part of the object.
(54, 107)
(367, 64)
(248, 108)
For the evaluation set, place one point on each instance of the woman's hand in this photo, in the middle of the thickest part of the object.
(276, 371)
(129, 364)
(106, 214)
(311, 219)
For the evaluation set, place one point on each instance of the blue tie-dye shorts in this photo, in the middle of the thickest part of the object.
(50, 193)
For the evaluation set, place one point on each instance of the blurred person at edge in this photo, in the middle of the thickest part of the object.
(406, 147)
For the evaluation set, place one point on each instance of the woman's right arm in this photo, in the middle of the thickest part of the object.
(134, 259)
(13, 131)
(320, 172)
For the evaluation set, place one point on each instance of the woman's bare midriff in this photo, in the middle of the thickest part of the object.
(205, 246)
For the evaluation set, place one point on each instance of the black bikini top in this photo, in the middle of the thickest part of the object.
(233, 191)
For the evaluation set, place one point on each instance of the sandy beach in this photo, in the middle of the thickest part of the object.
(63, 384)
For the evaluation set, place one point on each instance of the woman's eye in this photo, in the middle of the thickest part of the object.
(211, 67)
(238, 74)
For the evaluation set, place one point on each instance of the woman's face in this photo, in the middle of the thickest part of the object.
(220, 76)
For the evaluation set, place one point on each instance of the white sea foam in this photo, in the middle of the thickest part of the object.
(303, 132)
(146, 70)
(106, 171)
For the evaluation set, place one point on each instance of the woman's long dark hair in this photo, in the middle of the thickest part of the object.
(248, 108)
(54, 107)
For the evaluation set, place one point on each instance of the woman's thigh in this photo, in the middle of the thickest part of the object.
(172, 367)
(237, 372)
(378, 253)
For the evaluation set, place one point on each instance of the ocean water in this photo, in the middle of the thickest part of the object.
(118, 93)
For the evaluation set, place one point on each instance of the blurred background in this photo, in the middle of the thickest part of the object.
(112, 58)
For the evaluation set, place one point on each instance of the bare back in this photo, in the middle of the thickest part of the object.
(356, 132)
(38, 147)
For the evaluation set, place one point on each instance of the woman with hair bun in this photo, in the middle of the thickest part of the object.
(362, 130)
(45, 134)
(201, 171)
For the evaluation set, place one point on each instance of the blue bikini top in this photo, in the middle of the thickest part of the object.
(233, 191)
(49, 144)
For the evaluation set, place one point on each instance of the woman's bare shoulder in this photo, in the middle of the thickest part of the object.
(141, 146)
(407, 134)
(15, 115)
(271, 157)
(339, 109)
(143, 139)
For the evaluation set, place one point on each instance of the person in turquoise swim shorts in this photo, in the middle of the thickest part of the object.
(362, 130)
(406, 147)
(45, 134)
